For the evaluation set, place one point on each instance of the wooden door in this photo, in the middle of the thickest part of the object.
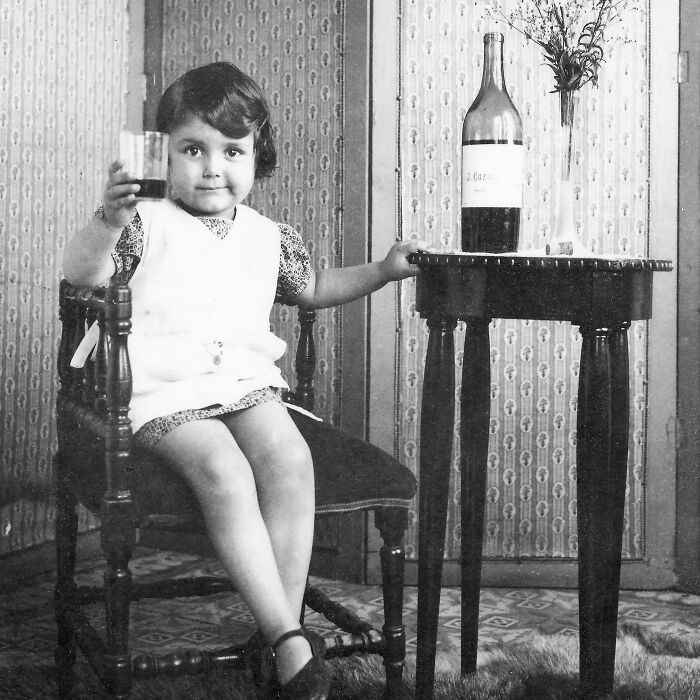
(627, 204)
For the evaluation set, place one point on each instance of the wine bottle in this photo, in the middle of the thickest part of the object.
(492, 161)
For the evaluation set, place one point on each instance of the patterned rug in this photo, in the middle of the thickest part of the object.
(648, 667)
(511, 619)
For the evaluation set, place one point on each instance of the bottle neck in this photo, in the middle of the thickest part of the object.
(493, 65)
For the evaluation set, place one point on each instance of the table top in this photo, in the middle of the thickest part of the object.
(544, 262)
(582, 290)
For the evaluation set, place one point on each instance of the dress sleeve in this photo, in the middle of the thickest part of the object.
(128, 249)
(295, 266)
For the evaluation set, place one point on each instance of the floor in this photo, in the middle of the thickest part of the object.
(27, 630)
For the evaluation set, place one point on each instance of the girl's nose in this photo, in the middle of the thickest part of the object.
(211, 168)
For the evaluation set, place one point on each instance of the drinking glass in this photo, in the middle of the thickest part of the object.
(145, 158)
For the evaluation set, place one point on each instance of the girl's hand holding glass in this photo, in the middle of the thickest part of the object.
(119, 196)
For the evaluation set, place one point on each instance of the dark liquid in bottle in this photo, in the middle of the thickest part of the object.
(151, 189)
(490, 229)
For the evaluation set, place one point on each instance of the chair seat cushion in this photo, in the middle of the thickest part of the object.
(350, 474)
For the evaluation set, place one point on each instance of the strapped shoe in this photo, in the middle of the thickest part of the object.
(316, 642)
(313, 681)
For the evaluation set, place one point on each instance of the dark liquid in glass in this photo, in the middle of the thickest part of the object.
(151, 189)
(490, 229)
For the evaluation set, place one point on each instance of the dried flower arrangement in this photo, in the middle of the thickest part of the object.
(573, 34)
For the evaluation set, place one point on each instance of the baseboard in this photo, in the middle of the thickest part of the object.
(634, 575)
(689, 576)
(19, 566)
(176, 541)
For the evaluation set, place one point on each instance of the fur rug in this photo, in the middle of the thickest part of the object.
(648, 667)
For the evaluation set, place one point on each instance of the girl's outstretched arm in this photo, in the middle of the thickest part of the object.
(87, 260)
(338, 285)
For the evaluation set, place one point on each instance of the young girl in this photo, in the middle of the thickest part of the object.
(206, 390)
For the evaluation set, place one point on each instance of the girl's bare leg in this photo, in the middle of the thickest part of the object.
(207, 456)
(283, 471)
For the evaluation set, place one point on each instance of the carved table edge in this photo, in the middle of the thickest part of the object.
(538, 262)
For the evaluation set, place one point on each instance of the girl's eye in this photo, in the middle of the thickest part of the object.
(193, 150)
(232, 152)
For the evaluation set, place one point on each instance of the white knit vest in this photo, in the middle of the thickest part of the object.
(201, 309)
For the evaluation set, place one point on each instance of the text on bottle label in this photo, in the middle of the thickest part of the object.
(492, 175)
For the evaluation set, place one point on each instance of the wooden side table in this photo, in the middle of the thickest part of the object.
(600, 295)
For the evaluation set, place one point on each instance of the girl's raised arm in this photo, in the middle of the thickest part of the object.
(334, 286)
(87, 260)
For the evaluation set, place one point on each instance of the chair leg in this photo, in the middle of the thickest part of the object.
(392, 524)
(66, 534)
(118, 536)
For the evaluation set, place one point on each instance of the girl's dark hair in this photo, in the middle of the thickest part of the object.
(226, 98)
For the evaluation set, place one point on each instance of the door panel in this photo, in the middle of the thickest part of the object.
(626, 205)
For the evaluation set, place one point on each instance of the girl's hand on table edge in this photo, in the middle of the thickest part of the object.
(395, 265)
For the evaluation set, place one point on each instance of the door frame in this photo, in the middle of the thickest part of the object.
(688, 424)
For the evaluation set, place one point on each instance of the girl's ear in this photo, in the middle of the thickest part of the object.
(265, 153)
(258, 135)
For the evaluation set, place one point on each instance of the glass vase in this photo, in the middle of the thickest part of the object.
(565, 239)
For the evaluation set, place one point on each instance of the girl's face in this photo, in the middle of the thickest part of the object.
(210, 172)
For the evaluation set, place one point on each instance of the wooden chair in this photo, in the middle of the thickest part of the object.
(97, 465)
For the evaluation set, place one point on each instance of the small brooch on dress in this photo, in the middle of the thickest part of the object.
(216, 350)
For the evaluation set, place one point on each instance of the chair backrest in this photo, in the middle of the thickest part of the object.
(97, 396)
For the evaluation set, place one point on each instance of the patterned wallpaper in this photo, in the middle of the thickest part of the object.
(531, 499)
(62, 89)
(62, 84)
(294, 51)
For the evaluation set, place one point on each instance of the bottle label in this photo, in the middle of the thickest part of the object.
(492, 175)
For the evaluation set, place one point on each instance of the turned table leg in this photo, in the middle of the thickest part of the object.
(474, 442)
(437, 424)
(603, 419)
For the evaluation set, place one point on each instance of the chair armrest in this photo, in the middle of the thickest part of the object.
(304, 363)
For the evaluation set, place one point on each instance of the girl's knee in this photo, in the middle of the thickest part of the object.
(226, 477)
(287, 468)
(296, 462)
